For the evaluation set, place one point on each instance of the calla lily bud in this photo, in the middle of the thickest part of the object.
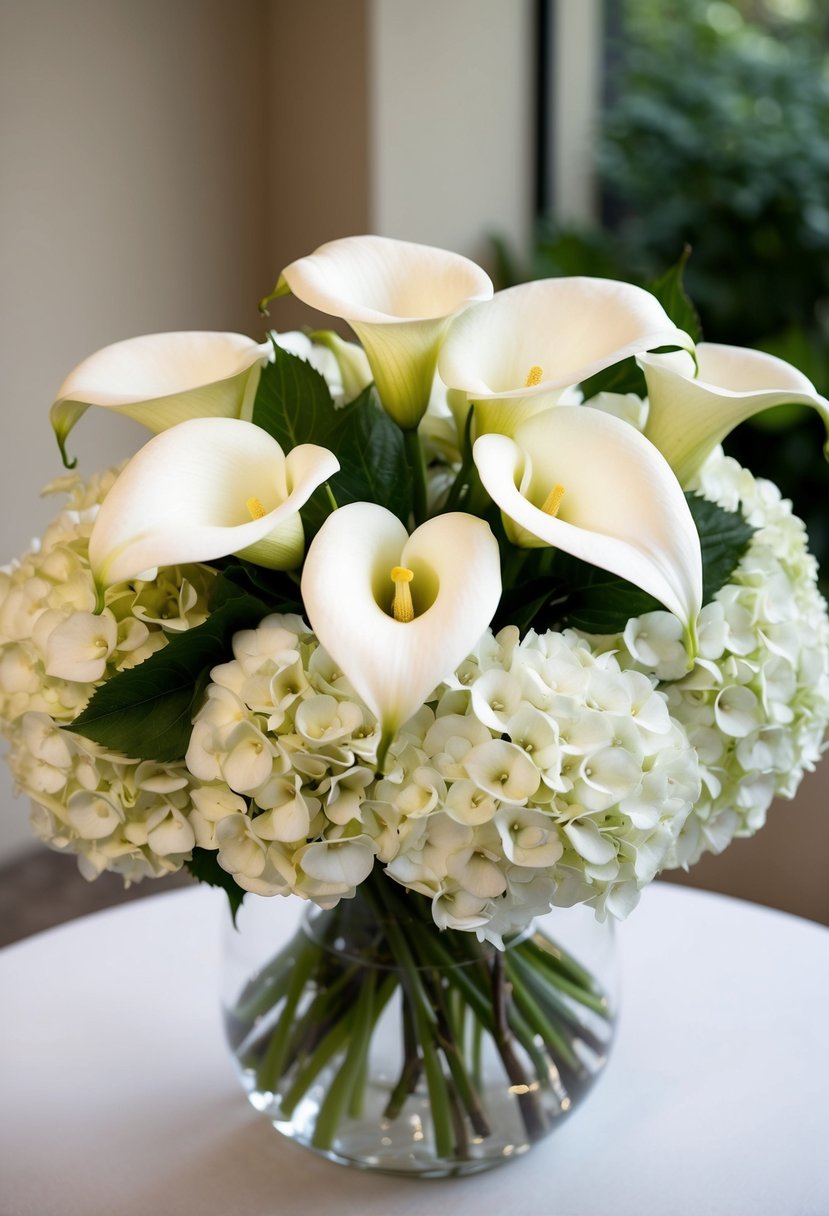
(690, 413)
(399, 298)
(163, 379)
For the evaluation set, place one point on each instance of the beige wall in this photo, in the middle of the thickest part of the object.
(132, 138)
(452, 121)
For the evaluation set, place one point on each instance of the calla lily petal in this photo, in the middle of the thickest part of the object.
(190, 494)
(517, 353)
(399, 298)
(689, 416)
(622, 508)
(346, 585)
(162, 379)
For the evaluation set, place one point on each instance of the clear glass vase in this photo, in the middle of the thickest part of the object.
(381, 1042)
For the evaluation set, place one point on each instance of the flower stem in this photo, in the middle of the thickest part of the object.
(341, 1088)
(417, 467)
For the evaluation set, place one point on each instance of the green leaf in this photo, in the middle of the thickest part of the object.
(371, 450)
(292, 402)
(669, 290)
(593, 600)
(293, 405)
(724, 537)
(276, 589)
(624, 377)
(204, 867)
(596, 601)
(147, 712)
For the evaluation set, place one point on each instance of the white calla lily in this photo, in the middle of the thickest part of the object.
(519, 352)
(204, 489)
(399, 298)
(163, 379)
(398, 613)
(689, 415)
(587, 483)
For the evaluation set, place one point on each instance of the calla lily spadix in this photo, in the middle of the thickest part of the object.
(163, 379)
(688, 416)
(587, 483)
(204, 489)
(399, 613)
(519, 352)
(399, 298)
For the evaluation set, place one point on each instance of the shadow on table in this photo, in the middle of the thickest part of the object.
(43, 889)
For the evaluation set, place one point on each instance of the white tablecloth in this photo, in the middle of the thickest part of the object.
(118, 1097)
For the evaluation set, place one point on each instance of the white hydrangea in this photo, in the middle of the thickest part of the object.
(116, 814)
(55, 650)
(756, 703)
(546, 775)
(541, 774)
(283, 732)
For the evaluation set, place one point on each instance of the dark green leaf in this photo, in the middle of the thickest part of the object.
(147, 712)
(276, 589)
(624, 377)
(205, 867)
(587, 598)
(597, 601)
(723, 537)
(294, 405)
(292, 402)
(371, 451)
(669, 290)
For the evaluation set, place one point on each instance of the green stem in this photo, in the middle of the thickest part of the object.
(531, 1110)
(411, 1068)
(341, 1088)
(417, 467)
(552, 954)
(465, 1089)
(270, 1070)
(325, 1050)
(424, 1021)
(552, 1036)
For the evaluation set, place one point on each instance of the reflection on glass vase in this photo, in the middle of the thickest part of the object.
(382, 1042)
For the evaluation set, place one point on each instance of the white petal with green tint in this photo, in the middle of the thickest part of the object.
(690, 415)
(398, 297)
(622, 508)
(163, 379)
(516, 354)
(190, 494)
(348, 591)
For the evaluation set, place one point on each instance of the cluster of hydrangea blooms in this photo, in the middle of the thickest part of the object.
(541, 774)
(286, 757)
(756, 703)
(55, 650)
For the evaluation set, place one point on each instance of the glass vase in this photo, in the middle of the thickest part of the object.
(381, 1042)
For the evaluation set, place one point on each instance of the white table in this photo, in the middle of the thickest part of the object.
(118, 1097)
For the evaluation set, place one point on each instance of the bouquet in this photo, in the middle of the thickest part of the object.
(437, 631)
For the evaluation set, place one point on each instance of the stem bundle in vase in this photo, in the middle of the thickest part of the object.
(527, 1027)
